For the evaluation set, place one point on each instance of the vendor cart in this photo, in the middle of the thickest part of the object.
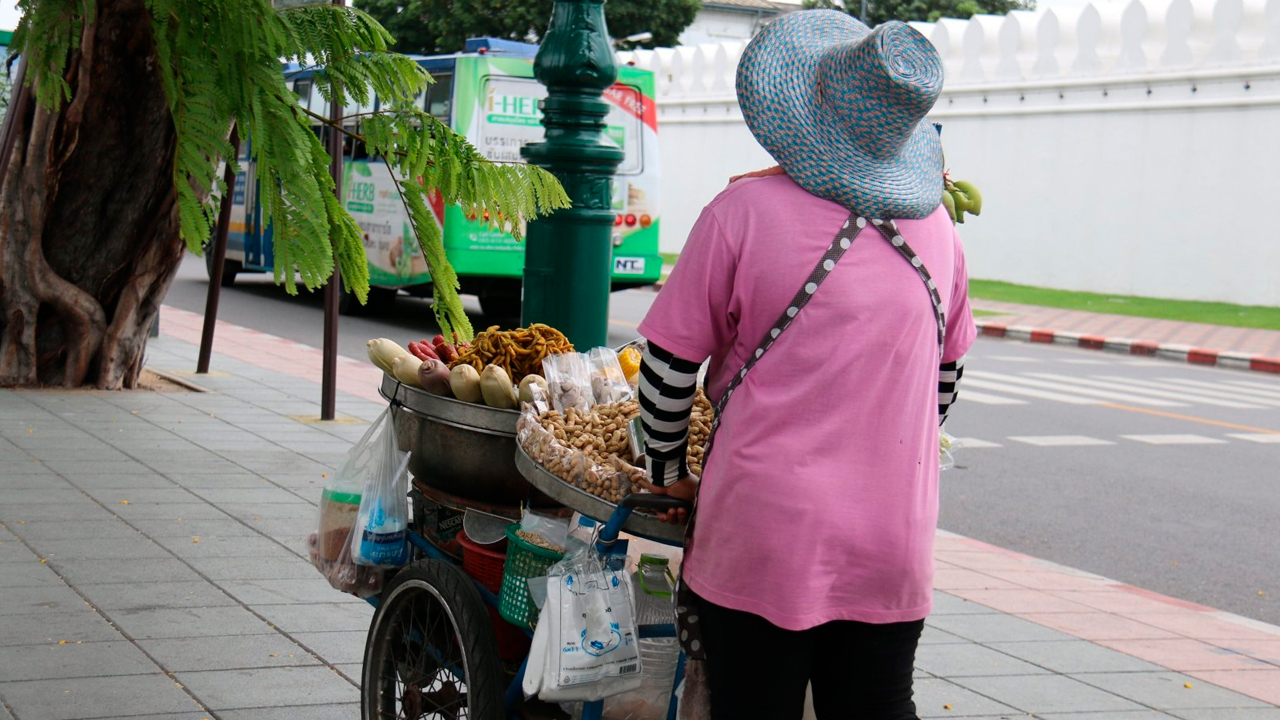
(435, 643)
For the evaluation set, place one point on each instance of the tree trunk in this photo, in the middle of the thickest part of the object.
(88, 215)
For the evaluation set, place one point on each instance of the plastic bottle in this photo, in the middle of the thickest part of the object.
(655, 605)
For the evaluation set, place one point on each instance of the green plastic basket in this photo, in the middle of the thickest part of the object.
(524, 560)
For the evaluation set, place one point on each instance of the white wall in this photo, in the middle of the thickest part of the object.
(712, 25)
(1127, 147)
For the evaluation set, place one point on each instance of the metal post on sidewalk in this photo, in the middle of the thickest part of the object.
(333, 289)
(219, 251)
(568, 264)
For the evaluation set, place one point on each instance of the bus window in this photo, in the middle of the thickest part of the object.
(439, 101)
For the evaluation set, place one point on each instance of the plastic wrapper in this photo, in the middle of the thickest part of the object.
(380, 538)
(553, 530)
(568, 378)
(608, 382)
(608, 477)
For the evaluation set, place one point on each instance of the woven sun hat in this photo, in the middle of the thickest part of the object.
(841, 108)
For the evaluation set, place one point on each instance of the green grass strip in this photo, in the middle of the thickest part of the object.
(1214, 313)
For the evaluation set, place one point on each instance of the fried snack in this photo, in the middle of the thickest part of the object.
(519, 352)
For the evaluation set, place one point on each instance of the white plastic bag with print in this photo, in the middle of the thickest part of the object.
(380, 537)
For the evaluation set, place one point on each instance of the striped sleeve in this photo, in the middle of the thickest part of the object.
(948, 387)
(667, 388)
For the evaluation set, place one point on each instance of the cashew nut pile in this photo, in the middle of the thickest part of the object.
(591, 451)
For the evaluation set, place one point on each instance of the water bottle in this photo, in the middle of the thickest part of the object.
(655, 605)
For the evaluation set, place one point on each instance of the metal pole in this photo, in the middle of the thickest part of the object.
(568, 262)
(219, 251)
(332, 290)
(863, 16)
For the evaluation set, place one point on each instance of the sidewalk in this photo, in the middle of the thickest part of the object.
(153, 563)
(1199, 343)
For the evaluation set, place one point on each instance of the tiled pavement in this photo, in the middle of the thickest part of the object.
(152, 565)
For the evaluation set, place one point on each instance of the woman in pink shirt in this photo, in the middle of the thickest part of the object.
(830, 297)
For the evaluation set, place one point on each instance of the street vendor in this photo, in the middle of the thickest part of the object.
(830, 295)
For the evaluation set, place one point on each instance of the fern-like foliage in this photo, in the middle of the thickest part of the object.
(220, 63)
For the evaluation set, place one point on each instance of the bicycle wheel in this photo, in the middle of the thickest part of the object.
(431, 652)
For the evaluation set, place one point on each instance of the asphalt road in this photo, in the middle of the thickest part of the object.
(1158, 474)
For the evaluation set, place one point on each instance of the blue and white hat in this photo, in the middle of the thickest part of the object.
(841, 108)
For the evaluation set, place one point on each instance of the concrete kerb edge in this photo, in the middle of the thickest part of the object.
(1130, 346)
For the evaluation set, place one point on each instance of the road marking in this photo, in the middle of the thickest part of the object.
(1190, 418)
(1013, 358)
(1196, 391)
(1116, 385)
(1059, 440)
(1145, 363)
(1248, 395)
(1175, 439)
(974, 444)
(1103, 394)
(1257, 437)
(624, 323)
(969, 382)
(985, 399)
(1270, 390)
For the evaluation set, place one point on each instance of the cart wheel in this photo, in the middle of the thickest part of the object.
(431, 651)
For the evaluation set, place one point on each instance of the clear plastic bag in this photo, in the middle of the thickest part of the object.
(568, 378)
(608, 382)
(380, 538)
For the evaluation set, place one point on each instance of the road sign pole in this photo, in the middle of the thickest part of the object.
(569, 255)
(333, 289)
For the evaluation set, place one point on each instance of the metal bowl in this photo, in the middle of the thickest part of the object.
(464, 449)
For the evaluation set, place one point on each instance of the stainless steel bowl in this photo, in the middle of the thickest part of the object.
(464, 449)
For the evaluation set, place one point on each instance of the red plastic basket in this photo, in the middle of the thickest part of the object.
(483, 563)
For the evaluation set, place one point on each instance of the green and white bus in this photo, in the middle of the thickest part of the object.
(487, 93)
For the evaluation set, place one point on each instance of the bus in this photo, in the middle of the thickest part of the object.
(488, 94)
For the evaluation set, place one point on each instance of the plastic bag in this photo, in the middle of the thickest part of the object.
(946, 444)
(381, 537)
(608, 382)
(569, 380)
(585, 646)
(551, 529)
(329, 546)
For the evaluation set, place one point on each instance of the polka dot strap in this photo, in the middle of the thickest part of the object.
(890, 233)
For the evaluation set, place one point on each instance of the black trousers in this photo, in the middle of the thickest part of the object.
(755, 669)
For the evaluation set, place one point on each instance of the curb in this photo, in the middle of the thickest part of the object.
(1129, 346)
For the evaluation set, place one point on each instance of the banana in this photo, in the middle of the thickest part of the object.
(950, 204)
(962, 201)
(971, 192)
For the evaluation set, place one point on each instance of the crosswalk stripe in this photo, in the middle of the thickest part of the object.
(1059, 440)
(1131, 387)
(970, 382)
(1104, 394)
(1254, 396)
(1207, 389)
(1257, 437)
(1265, 387)
(1173, 439)
(967, 395)
(975, 443)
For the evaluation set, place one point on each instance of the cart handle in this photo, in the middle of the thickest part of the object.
(632, 502)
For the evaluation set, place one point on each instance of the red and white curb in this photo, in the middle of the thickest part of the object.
(1129, 346)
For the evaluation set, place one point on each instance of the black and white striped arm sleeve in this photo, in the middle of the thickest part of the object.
(949, 375)
(667, 388)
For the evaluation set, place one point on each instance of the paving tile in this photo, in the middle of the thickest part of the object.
(949, 604)
(166, 511)
(1116, 600)
(1046, 694)
(136, 547)
(254, 568)
(41, 599)
(1203, 627)
(1261, 684)
(138, 481)
(1099, 626)
(1185, 655)
(230, 652)
(1167, 690)
(268, 687)
(297, 712)
(994, 628)
(1074, 656)
(98, 697)
(142, 496)
(1272, 713)
(188, 622)
(153, 595)
(932, 635)
(187, 527)
(271, 511)
(13, 550)
(82, 625)
(1020, 601)
(327, 617)
(242, 546)
(73, 660)
(74, 529)
(199, 481)
(335, 647)
(14, 478)
(234, 496)
(44, 495)
(30, 512)
(302, 590)
(951, 579)
(1120, 715)
(113, 570)
(1265, 650)
(936, 697)
(959, 660)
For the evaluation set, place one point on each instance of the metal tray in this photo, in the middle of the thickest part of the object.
(645, 526)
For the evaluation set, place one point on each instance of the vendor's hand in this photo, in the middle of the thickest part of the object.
(775, 170)
(686, 488)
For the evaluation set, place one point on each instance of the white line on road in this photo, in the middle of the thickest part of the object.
(975, 443)
(1175, 439)
(1104, 394)
(1130, 386)
(1235, 393)
(985, 399)
(1210, 390)
(969, 382)
(1265, 387)
(1059, 440)
(1013, 358)
(1257, 437)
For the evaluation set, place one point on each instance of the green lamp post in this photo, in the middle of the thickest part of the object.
(568, 261)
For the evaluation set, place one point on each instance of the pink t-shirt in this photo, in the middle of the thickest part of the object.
(820, 500)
